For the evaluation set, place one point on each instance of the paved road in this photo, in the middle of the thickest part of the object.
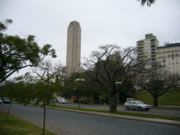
(70, 123)
(159, 111)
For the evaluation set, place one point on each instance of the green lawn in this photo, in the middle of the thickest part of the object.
(170, 98)
(16, 126)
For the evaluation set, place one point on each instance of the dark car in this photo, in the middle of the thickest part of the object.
(0, 101)
(6, 101)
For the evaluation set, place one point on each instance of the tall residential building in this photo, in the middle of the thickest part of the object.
(73, 48)
(146, 48)
(169, 57)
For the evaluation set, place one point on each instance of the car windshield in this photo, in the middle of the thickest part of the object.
(139, 102)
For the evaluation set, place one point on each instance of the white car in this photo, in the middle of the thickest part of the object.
(0, 101)
(136, 105)
(6, 101)
(62, 100)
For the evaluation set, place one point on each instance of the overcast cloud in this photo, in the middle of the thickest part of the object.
(121, 22)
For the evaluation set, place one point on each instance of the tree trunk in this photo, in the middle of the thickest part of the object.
(44, 117)
(112, 103)
(155, 101)
(78, 101)
(9, 110)
(79, 104)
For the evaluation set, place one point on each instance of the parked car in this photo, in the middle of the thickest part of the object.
(62, 100)
(1, 101)
(136, 105)
(6, 101)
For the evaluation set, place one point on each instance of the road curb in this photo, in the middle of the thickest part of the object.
(161, 121)
(168, 107)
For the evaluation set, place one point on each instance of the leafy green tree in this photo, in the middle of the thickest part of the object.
(19, 89)
(48, 82)
(42, 87)
(25, 91)
(8, 90)
(77, 85)
(149, 2)
(17, 53)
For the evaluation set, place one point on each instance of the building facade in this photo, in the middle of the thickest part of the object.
(169, 57)
(146, 48)
(73, 48)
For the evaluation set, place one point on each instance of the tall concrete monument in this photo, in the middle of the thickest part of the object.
(73, 48)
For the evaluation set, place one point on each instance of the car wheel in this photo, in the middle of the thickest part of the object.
(147, 109)
(139, 108)
(127, 108)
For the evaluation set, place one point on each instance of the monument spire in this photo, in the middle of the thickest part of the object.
(73, 48)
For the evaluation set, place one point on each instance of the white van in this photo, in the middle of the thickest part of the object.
(62, 100)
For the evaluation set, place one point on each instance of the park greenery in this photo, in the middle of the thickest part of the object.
(76, 86)
(17, 53)
(157, 83)
(113, 69)
(170, 98)
(108, 76)
(39, 88)
(16, 126)
(136, 114)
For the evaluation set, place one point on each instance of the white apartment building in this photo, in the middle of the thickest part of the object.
(169, 57)
(146, 48)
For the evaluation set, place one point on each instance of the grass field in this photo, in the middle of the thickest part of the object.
(16, 126)
(170, 98)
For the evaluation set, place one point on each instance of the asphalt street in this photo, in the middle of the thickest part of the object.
(159, 111)
(71, 123)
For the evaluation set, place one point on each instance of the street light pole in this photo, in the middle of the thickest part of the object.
(118, 83)
(78, 92)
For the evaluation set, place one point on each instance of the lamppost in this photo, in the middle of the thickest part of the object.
(117, 85)
(80, 79)
(78, 90)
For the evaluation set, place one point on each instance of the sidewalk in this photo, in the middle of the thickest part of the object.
(162, 121)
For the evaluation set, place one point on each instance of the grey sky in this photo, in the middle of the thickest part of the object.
(120, 22)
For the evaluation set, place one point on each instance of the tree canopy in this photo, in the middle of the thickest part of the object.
(157, 82)
(149, 2)
(113, 68)
(17, 53)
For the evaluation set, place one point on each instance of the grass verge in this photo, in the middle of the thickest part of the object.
(171, 98)
(16, 126)
(124, 113)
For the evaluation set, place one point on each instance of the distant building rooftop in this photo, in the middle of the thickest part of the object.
(149, 36)
(169, 45)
